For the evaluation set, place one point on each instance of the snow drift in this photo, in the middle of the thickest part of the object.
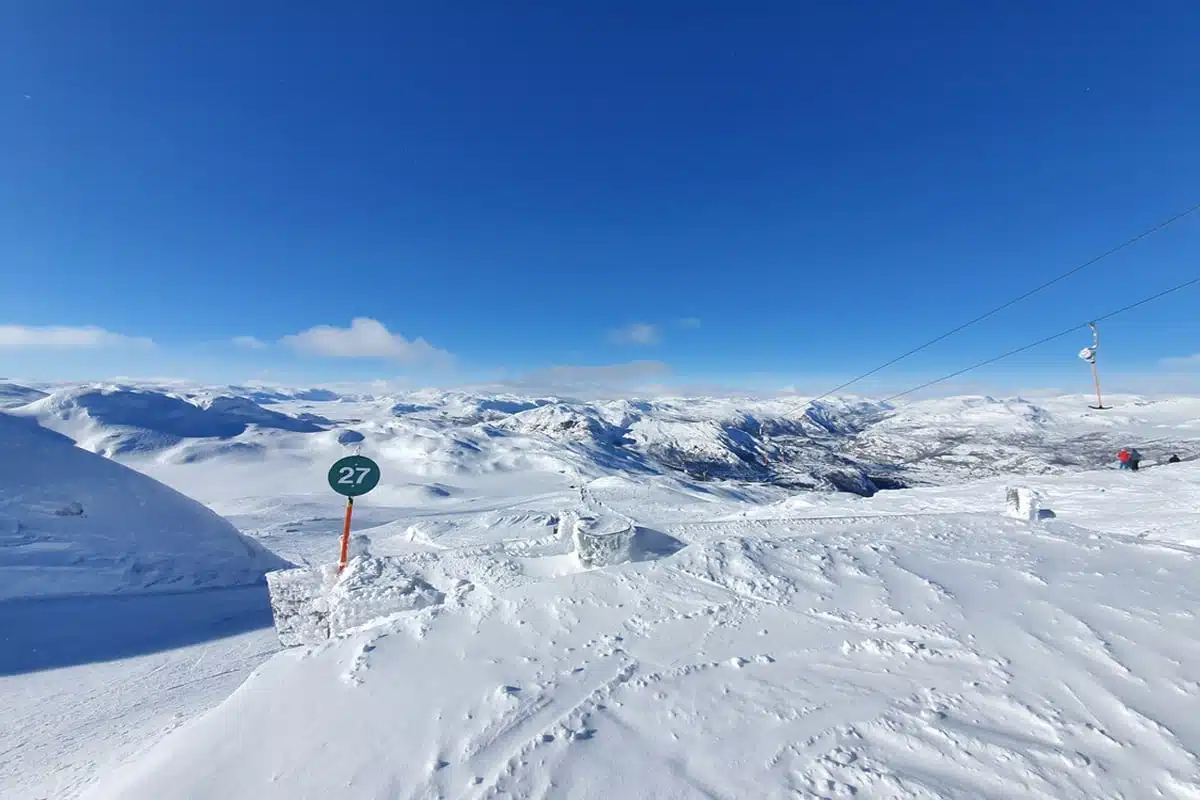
(72, 522)
(910, 656)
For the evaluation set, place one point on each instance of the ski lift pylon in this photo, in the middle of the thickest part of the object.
(1088, 354)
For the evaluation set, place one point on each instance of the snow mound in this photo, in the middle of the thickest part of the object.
(373, 588)
(74, 523)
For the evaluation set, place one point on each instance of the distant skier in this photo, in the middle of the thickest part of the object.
(1174, 459)
(1123, 457)
(1135, 458)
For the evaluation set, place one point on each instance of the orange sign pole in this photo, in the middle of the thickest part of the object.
(1096, 378)
(346, 535)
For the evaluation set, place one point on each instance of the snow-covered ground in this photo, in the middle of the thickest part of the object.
(759, 642)
(894, 649)
(74, 523)
(123, 604)
(87, 682)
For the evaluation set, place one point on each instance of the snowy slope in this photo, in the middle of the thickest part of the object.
(118, 420)
(13, 395)
(835, 444)
(912, 645)
(91, 681)
(72, 522)
(949, 440)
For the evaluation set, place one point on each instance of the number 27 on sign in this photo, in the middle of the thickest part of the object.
(352, 476)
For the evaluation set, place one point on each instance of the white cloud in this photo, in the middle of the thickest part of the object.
(365, 338)
(1183, 362)
(636, 333)
(249, 343)
(63, 336)
(689, 322)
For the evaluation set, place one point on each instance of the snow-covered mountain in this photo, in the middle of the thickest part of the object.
(757, 628)
(13, 395)
(842, 444)
(118, 420)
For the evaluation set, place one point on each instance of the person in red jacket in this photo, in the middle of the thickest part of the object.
(1123, 457)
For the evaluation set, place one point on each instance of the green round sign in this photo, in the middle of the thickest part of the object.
(353, 475)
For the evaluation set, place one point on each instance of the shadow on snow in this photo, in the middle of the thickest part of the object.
(48, 633)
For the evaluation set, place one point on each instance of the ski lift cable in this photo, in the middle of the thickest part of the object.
(1128, 243)
(1051, 338)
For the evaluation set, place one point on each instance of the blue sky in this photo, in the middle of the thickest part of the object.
(740, 193)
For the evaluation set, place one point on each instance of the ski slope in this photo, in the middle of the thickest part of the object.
(761, 640)
(88, 682)
(898, 646)
(125, 607)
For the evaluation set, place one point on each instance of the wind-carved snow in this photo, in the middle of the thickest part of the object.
(749, 639)
(847, 648)
(73, 523)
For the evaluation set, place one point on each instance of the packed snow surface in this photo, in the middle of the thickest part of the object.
(818, 647)
(635, 599)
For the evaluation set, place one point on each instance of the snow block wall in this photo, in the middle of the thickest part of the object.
(1023, 503)
(299, 605)
(371, 588)
(599, 537)
(313, 605)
